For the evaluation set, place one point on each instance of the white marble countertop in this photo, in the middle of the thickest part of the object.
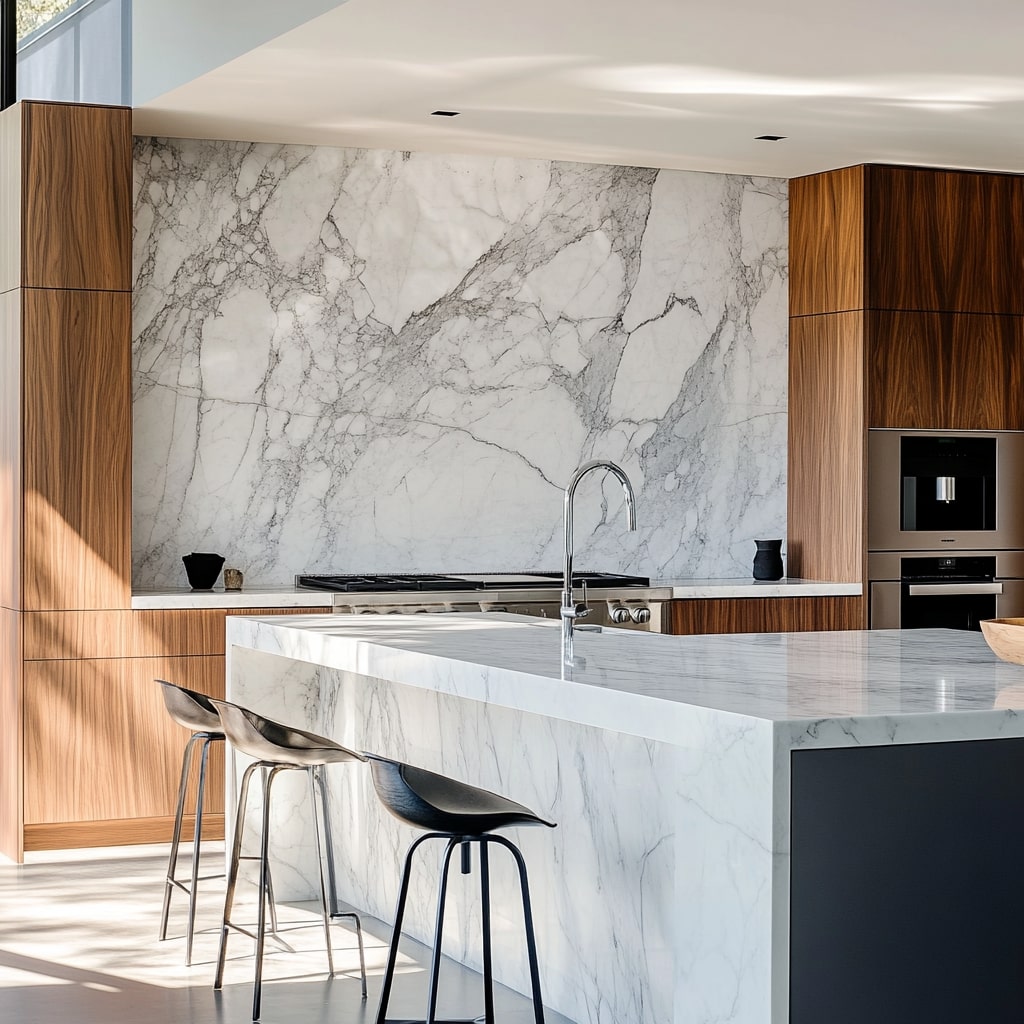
(295, 597)
(254, 597)
(744, 587)
(879, 686)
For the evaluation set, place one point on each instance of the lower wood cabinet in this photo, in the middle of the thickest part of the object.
(99, 742)
(100, 756)
(764, 615)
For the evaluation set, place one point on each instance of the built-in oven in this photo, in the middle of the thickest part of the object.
(932, 490)
(911, 590)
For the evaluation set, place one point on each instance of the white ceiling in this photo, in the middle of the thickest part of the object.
(646, 82)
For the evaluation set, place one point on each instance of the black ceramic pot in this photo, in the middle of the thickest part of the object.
(202, 569)
(768, 560)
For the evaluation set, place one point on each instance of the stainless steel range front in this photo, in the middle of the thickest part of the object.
(626, 602)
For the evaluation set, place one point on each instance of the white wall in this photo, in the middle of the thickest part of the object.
(351, 360)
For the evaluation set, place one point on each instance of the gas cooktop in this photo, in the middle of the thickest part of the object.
(409, 582)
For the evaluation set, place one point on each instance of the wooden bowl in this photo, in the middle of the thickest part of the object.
(1006, 638)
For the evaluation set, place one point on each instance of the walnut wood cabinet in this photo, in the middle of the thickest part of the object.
(762, 615)
(907, 311)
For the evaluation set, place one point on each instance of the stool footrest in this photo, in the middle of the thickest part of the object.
(437, 1020)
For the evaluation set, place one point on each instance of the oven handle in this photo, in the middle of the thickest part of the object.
(953, 589)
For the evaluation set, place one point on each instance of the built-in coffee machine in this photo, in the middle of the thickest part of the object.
(945, 528)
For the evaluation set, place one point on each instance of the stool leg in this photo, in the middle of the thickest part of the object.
(485, 921)
(396, 932)
(229, 894)
(270, 879)
(318, 836)
(332, 889)
(197, 835)
(531, 941)
(261, 926)
(435, 960)
(186, 763)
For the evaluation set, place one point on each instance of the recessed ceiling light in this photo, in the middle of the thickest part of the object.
(770, 138)
(445, 113)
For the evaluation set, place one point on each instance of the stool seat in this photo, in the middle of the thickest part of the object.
(436, 803)
(190, 708)
(267, 740)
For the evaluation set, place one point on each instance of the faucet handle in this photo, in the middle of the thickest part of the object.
(584, 602)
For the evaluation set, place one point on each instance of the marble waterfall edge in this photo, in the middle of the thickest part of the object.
(360, 360)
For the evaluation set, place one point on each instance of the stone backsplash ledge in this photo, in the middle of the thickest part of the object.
(356, 360)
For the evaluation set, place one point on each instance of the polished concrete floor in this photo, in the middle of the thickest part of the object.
(78, 944)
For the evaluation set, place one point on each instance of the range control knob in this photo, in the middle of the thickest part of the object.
(640, 615)
(619, 613)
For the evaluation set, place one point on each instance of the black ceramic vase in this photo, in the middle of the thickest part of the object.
(768, 560)
(202, 569)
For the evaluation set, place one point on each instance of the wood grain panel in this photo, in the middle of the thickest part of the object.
(10, 449)
(77, 196)
(145, 633)
(945, 371)
(99, 742)
(77, 449)
(765, 615)
(74, 835)
(945, 240)
(10, 735)
(10, 198)
(827, 442)
(826, 242)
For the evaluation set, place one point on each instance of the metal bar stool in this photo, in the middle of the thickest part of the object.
(194, 711)
(277, 748)
(461, 815)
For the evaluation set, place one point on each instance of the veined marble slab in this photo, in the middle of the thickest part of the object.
(366, 361)
(663, 895)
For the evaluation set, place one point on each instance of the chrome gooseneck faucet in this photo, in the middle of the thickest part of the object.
(570, 609)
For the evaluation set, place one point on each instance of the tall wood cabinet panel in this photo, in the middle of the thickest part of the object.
(944, 241)
(946, 371)
(826, 242)
(77, 196)
(10, 449)
(65, 426)
(826, 483)
(77, 448)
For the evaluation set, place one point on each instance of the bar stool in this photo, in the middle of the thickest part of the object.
(277, 748)
(461, 815)
(194, 711)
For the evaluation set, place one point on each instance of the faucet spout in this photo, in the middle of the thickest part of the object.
(570, 610)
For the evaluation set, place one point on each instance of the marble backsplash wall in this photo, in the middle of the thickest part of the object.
(351, 360)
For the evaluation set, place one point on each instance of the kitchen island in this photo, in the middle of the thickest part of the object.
(733, 826)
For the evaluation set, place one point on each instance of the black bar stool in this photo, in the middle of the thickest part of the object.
(277, 748)
(194, 711)
(461, 815)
